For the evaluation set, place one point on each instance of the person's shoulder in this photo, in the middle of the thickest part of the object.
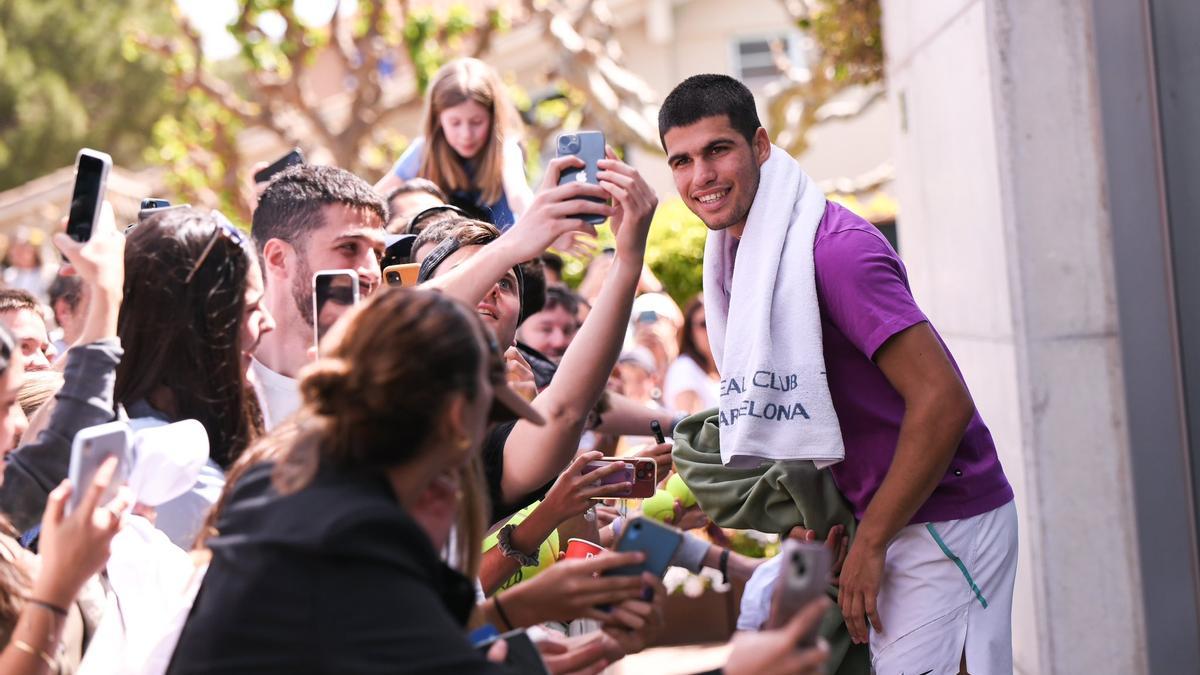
(841, 227)
(844, 238)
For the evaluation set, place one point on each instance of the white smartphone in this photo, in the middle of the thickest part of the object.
(334, 291)
(91, 180)
(803, 577)
(91, 447)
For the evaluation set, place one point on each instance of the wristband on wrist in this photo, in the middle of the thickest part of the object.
(508, 624)
(504, 541)
(723, 565)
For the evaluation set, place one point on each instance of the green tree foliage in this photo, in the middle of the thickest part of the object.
(65, 83)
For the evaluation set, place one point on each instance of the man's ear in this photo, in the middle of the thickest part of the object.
(277, 258)
(762, 145)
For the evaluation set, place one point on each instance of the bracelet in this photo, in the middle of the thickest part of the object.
(723, 565)
(504, 541)
(503, 616)
(25, 647)
(45, 605)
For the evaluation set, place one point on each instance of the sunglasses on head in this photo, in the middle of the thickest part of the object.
(223, 227)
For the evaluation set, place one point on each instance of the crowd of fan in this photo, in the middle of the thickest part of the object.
(366, 510)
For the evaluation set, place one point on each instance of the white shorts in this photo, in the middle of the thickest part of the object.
(947, 590)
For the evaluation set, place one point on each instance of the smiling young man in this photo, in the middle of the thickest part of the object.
(928, 578)
(310, 218)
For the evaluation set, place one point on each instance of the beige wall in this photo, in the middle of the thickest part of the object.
(1006, 236)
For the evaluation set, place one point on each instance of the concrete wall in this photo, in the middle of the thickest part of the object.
(1008, 242)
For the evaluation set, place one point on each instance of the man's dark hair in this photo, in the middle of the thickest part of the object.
(417, 184)
(558, 295)
(15, 299)
(67, 289)
(709, 95)
(290, 208)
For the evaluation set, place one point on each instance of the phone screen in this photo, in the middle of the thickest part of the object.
(85, 200)
(333, 294)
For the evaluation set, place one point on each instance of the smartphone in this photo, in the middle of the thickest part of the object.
(291, 159)
(523, 656)
(656, 540)
(625, 476)
(643, 474)
(402, 275)
(90, 448)
(91, 178)
(334, 291)
(588, 146)
(803, 577)
(399, 249)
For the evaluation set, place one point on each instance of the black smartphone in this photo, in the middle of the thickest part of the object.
(291, 159)
(656, 540)
(334, 291)
(523, 656)
(91, 177)
(588, 146)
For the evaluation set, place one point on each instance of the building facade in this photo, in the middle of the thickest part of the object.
(1046, 159)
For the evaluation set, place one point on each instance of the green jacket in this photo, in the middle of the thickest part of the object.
(772, 498)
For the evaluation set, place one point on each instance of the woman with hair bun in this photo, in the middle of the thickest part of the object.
(320, 562)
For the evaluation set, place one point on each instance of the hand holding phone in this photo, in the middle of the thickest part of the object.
(334, 292)
(89, 450)
(657, 541)
(91, 178)
(803, 578)
(588, 146)
(520, 654)
(641, 474)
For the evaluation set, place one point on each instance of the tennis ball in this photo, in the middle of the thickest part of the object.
(682, 492)
(660, 507)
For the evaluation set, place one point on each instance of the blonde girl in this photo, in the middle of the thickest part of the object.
(470, 146)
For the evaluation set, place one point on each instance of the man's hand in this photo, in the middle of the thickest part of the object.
(861, 577)
(837, 542)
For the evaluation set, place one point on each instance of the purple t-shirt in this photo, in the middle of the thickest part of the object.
(862, 288)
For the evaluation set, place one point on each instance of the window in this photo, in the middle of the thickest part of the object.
(753, 62)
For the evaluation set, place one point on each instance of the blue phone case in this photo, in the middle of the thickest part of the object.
(588, 146)
(658, 541)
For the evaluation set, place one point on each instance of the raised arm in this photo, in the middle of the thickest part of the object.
(86, 397)
(533, 455)
(553, 213)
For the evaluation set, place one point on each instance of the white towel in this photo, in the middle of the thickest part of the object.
(764, 326)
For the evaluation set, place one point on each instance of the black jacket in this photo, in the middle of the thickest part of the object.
(335, 578)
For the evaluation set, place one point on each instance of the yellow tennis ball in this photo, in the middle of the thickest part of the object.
(660, 507)
(682, 492)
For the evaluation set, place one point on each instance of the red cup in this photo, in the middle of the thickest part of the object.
(582, 548)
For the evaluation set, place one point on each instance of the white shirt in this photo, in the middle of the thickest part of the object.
(756, 598)
(279, 395)
(687, 375)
